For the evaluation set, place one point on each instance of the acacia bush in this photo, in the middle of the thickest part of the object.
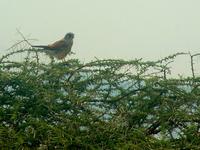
(102, 104)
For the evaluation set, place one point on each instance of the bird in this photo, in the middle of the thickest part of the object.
(59, 49)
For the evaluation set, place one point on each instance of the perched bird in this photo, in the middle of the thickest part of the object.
(60, 48)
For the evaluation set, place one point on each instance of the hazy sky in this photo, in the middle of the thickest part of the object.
(124, 29)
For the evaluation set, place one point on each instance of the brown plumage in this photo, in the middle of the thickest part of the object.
(59, 49)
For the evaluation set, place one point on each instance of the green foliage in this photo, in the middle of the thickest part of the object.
(103, 104)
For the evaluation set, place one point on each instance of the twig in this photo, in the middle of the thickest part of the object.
(14, 52)
(36, 53)
(192, 64)
(16, 44)
(24, 38)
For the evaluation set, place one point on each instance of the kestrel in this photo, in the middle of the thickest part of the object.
(59, 49)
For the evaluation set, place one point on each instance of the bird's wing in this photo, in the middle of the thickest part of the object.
(58, 44)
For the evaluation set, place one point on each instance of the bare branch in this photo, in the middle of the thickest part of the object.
(24, 38)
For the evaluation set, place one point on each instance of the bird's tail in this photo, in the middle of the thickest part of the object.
(41, 46)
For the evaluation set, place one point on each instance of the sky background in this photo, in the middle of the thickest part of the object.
(125, 29)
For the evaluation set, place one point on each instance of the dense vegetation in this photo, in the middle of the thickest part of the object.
(103, 104)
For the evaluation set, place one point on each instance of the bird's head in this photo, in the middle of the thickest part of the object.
(69, 35)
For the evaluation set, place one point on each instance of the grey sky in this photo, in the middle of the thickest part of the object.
(124, 29)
